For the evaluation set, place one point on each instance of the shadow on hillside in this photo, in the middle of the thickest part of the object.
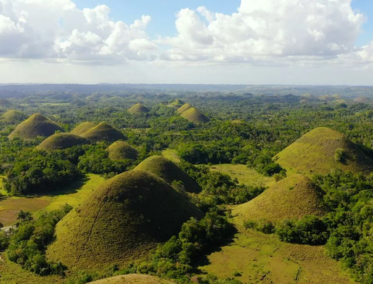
(203, 260)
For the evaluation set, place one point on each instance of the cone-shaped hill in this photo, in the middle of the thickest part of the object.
(122, 151)
(104, 132)
(195, 116)
(82, 128)
(122, 220)
(291, 198)
(183, 108)
(321, 150)
(13, 116)
(62, 141)
(176, 104)
(138, 109)
(36, 125)
(170, 172)
(133, 279)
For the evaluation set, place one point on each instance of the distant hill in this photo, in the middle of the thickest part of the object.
(184, 108)
(170, 172)
(317, 153)
(138, 109)
(122, 220)
(122, 151)
(176, 104)
(13, 117)
(62, 141)
(195, 116)
(133, 279)
(291, 198)
(36, 125)
(82, 128)
(104, 132)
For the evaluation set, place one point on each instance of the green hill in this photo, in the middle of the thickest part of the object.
(62, 141)
(176, 104)
(13, 117)
(138, 109)
(82, 128)
(170, 172)
(103, 132)
(320, 151)
(195, 116)
(36, 125)
(183, 108)
(122, 151)
(291, 198)
(122, 220)
(133, 279)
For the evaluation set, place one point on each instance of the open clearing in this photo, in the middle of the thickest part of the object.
(261, 258)
(74, 195)
(244, 174)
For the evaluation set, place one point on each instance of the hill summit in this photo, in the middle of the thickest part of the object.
(122, 220)
(36, 125)
(82, 128)
(170, 172)
(183, 108)
(62, 141)
(176, 104)
(195, 116)
(103, 132)
(13, 116)
(291, 198)
(138, 109)
(322, 150)
(122, 151)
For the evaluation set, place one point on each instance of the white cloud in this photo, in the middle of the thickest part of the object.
(59, 30)
(267, 30)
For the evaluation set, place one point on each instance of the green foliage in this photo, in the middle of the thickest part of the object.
(340, 155)
(27, 245)
(263, 226)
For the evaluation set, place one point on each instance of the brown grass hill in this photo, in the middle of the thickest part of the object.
(103, 132)
(13, 117)
(133, 279)
(195, 116)
(138, 109)
(122, 220)
(176, 104)
(291, 198)
(362, 100)
(36, 125)
(183, 108)
(82, 128)
(122, 151)
(62, 141)
(322, 150)
(170, 172)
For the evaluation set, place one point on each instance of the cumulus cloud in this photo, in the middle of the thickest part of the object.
(59, 30)
(263, 30)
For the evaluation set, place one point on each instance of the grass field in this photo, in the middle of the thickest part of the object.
(244, 174)
(260, 258)
(74, 195)
(171, 155)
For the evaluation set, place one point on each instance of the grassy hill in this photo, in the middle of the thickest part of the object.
(170, 172)
(36, 125)
(82, 128)
(195, 116)
(291, 198)
(138, 109)
(316, 151)
(104, 132)
(183, 108)
(13, 117)
(122, 151)
(123, 219)
(176, 104)
(133, 279)
(62, 141)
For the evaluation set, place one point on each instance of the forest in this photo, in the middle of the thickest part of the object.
(186, 184)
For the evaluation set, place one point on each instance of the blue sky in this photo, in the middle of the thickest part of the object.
(163, 12)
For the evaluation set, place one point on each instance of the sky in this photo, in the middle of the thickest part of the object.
(297, 42)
